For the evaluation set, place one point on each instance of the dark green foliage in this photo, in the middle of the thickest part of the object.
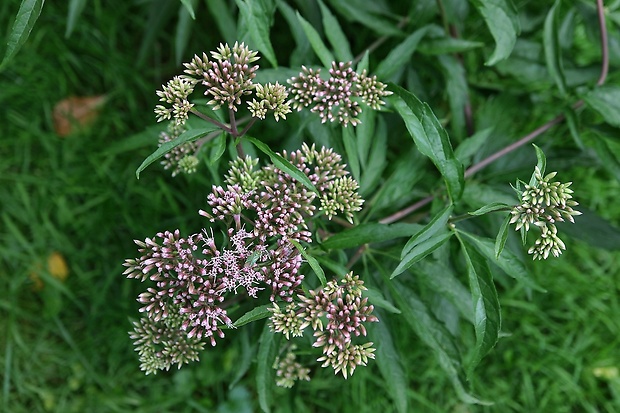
(468, 321)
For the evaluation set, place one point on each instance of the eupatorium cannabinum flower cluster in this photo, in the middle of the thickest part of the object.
(228, 77)
(337, 98)
(542, 205)
(261, 210)
(337, 314)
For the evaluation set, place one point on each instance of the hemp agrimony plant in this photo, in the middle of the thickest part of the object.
(301, 248)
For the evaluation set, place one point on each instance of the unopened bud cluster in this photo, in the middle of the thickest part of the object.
(257, 215)
(182, 158)
(337, 98)
(228, 77)
(542, 205)
(337, 314)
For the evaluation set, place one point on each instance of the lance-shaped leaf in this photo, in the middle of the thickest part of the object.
(508, 261)
(323, 53)
(553, 55)
(494, 206)
(258, 16)
(421, 250)
(434, 334)
(371, 232)
(267, 352)
(335, 35)
(487, 317)
(436, 225)
(314, 264)
(606, 101)
(503, 21)
(281, 163)
(26, 17)
(389, 364)
(187, 136)
(255, 314)
(401, 54)
(430, 138)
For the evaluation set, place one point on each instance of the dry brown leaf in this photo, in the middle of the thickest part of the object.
(76, 112)
(56, 267)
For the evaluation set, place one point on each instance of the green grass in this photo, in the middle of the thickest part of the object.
(66, 349)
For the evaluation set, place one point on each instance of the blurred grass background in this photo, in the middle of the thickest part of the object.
(65, 348)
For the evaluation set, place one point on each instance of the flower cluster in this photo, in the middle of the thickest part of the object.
(272, 98)
(336, 314)
(182, 158)
(262, 209)
(542, 205)
(337, 98)
(289, 370)
(162, 344)
(228, 77)
(175, 93)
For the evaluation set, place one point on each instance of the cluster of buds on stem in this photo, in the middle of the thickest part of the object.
(543, 204)
(228, 77)
(337, 314)
(337, 98)
(182, 158)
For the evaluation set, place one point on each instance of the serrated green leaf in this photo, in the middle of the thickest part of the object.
(75, 10)
(350, 147)
(553, 51)
(487, 316)
(255, 314)
(430, 138)
(189, 6)
(187, 136)
(401, 54)
(314, 264)
(495, 206)
(502, 19)
(436, 224)
(435, 336)
(283, 164)
(324, 55)
(606, 101)
(389, 364)
(378, 300)
(335, 35)
(367, 233)
(27, 15)
(258, 17)
(502, 236)
(421, 250)
(508, 261)
(267, 352)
